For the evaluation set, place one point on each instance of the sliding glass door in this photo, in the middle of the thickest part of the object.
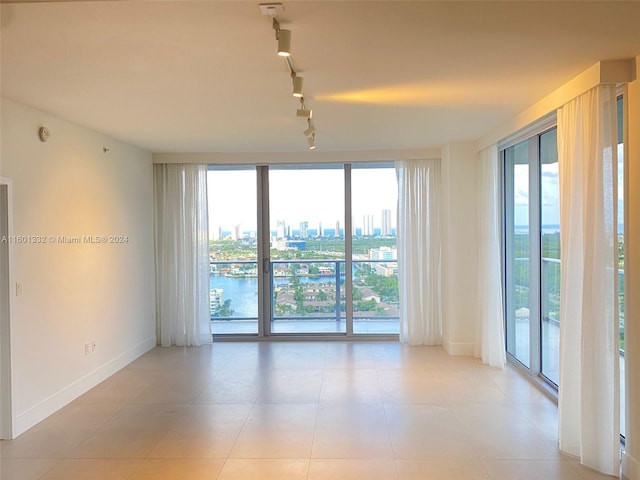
(518, 251)
(309, 250)
(374, 200)
(549, 257)
(532, 253)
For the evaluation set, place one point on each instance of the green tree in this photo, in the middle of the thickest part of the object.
(225, 309)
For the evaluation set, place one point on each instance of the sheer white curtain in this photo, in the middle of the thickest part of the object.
(490, 342)
(182, 254)
(588, 406)
(419, 262)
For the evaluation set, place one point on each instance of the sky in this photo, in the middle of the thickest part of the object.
(549, 191)
(296, 195)
(317, 195)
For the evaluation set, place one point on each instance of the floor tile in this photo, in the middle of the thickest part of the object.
(426, 432)
(24, 468)
(177, 469)
(277, 431)
(204, 431)
(244, 469)
(350, 469)
(131, 433)
(441, 469)
(350, 386)
(296, 410)
(291, 386)
(530, 470)
(103, 469)
(587, 473)
(351, 431)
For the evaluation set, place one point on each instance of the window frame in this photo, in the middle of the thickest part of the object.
(530, 134)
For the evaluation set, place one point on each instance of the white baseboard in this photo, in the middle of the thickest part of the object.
(630, 467)
(459, 349)
(25, 420)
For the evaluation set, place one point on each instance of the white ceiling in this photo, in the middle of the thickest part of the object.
(204, 77)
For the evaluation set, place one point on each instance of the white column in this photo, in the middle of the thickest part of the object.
(631, 458)
(459, 302)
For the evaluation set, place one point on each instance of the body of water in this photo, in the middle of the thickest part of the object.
(243, 292)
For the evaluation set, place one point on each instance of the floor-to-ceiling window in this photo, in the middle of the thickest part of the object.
(374, 200)
(233, 250)
(532, 252)
(621, 256)
(303, 250)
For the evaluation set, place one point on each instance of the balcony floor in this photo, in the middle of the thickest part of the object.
(294, 326)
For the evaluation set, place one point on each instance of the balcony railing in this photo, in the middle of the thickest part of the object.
(550, 286)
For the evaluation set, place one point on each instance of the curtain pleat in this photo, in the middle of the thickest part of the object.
(588, 405)
(490, 341)
(419, 253)
(182, 255)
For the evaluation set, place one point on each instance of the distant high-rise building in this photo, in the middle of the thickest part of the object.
(367, 225)
(386, 223)
(383, 253)
(304, 229)
(219, 233)
(320, 233)
(216, 300)
(235, 233)
(337, 232)
(281, 229)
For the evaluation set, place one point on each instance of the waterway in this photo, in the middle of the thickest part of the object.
(243, 292)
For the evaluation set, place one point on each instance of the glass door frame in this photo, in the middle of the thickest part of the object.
(265, 264)
(534, 254)
(531, 136)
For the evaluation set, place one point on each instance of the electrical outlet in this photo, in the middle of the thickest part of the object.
(93, 345)
(87, 348)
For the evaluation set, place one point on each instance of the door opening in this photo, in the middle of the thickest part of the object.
(5, 344)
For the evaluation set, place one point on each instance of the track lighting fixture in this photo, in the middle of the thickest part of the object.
(283, 36)
(284, 42)
(309, 132)
(297, 86)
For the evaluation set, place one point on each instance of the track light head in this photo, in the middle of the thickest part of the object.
(284, 42)
(312, 142)
(297, 86)
(309, 132)
(304, 113)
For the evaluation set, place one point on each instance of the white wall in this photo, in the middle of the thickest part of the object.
(631, 458)
(459, 238)
(74, 293)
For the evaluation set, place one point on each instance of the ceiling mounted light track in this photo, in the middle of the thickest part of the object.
(283, 37)
(284, 42)
(297, 86)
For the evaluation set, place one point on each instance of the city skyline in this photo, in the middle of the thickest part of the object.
(307, 229)
(233, 201)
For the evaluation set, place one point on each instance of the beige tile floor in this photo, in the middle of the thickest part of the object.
(293, 410)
